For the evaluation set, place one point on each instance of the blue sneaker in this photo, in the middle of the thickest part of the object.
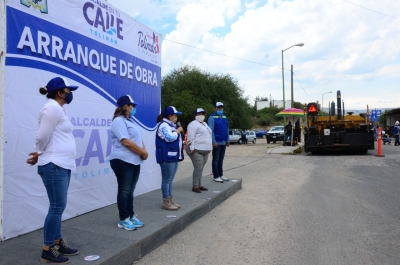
(136, 222)
(127, 225)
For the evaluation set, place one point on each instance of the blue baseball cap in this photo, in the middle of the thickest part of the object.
(125, 100)
(171, 110)
(59, 83)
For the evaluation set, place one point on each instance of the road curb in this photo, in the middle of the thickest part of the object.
(96, 232)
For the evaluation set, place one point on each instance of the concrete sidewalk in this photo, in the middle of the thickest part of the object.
(96, 233)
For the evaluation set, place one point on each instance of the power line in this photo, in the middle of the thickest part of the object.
(194, 47)
(370, 9)
(236, 58)
(302, 86)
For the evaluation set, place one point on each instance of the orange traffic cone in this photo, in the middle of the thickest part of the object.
(379, 142)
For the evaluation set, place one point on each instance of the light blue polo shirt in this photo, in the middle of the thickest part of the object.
(122, 128)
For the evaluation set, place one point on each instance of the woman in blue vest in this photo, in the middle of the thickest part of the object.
(168, 152)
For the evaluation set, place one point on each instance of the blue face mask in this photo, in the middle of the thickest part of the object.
(220, 112)
(133, 112)
(68, 97)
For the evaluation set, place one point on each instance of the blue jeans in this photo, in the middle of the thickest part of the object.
(218, 155)
(56, 180)
(168, 171)
(127, 176)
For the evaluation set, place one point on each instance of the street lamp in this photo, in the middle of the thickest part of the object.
(283, 78)
(322, 104)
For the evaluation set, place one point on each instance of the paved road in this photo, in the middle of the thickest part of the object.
(297, 209)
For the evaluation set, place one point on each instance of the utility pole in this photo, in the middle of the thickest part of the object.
(292, 104)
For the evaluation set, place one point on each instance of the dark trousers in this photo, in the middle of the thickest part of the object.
(127, 177)
(218, 155)
(396, 140)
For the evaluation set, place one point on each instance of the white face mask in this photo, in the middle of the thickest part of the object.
(200, 118)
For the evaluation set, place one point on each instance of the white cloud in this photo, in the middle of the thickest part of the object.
(347, 48)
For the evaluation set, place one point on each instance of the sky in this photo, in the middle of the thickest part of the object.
(352, 46)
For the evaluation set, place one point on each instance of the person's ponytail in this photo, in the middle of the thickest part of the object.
(118, 112)
(43, 90)
(159, 117)
(51, 94)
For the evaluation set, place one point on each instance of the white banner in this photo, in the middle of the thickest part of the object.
(108, 54)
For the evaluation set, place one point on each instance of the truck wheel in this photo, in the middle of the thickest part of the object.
(254, 141)
(268, 141)
(274, 142)
(240, 141)
(263, 136)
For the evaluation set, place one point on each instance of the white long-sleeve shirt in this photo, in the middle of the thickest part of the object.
(200, 136)
(54, 141)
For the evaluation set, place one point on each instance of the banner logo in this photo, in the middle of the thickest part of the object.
(148, 42)
(105, 20)
(36, 4)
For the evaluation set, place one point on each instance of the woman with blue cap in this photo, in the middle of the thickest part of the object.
(127, 154)
(55, 156)
(168, 152)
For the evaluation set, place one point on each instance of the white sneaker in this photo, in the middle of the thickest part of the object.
(224, 179)
(218, 179)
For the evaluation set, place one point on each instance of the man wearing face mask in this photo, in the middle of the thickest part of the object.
(199, 145)
(219, 126)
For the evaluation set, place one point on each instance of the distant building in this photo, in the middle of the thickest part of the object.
(392, 116)
(273, 103)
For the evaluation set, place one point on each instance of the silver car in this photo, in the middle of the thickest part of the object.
(235, 136)
(251, 137)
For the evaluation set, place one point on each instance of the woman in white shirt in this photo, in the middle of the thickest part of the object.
(199, 145)
(55, 156)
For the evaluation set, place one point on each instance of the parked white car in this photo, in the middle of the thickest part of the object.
(251, 137)
(235, 136)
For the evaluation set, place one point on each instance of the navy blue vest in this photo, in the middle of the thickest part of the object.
(220, 128)
(167, 151)
(396, 130)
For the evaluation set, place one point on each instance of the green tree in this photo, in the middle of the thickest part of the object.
(382, 118)
(267, 116)
(299, 105)
(188, 88)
